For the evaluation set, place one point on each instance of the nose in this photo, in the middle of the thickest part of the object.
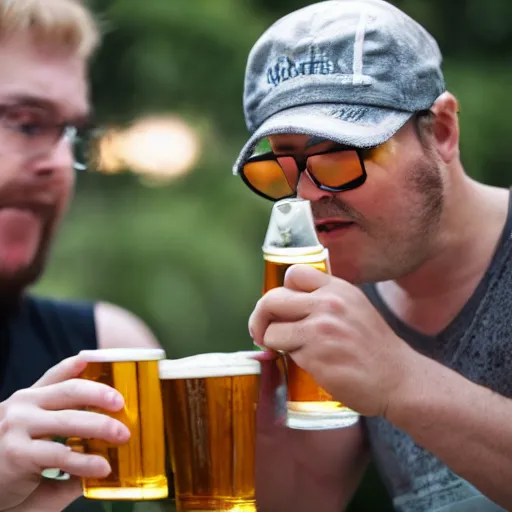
(307, 189)
(59, 158)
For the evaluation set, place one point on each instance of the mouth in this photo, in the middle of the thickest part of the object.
(42, 210)
(332, 225)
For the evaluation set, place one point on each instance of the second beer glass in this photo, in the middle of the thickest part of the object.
(210, 405)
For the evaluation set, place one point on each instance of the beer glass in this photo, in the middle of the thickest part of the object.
(291, 239)
(138, 466)
(210, 403)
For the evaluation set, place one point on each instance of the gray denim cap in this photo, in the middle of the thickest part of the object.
(352, 71)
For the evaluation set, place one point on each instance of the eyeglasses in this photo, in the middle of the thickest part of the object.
(276, 177)
(30, 130)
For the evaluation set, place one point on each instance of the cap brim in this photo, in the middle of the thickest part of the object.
(350, 125)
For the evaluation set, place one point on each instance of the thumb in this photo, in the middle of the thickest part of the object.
(305, 278)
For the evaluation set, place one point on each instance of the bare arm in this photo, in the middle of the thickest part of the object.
(333, 332)
(467, 426)
(330, 468)
(118, 328)
(303, 470)
(323, 473)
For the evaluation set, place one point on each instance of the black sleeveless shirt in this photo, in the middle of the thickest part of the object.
(36, 336)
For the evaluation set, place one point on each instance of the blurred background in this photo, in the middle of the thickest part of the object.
(164, 229)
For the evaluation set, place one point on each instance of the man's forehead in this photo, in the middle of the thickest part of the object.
(53, 79)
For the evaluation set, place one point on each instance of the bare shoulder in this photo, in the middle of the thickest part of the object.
(118, 328)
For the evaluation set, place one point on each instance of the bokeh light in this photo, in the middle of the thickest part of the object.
(158, 148)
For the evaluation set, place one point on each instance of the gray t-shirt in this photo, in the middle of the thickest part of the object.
(478, 345)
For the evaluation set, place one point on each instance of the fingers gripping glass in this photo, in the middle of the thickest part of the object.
(277, 176)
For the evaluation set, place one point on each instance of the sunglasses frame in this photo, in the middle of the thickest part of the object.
(302, 167)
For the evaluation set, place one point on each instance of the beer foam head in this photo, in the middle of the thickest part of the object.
(115, 355)
(216, 364)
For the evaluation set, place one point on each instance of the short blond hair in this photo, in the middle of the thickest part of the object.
(65, 23)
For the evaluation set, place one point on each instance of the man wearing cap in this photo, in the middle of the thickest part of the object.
(413, 329)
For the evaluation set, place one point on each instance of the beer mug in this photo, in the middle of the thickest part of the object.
(291, 239)
(210, 403)
(138, 466)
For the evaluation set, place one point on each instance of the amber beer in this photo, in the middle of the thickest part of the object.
(210, 405)
(138, 467)
(291, 239)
